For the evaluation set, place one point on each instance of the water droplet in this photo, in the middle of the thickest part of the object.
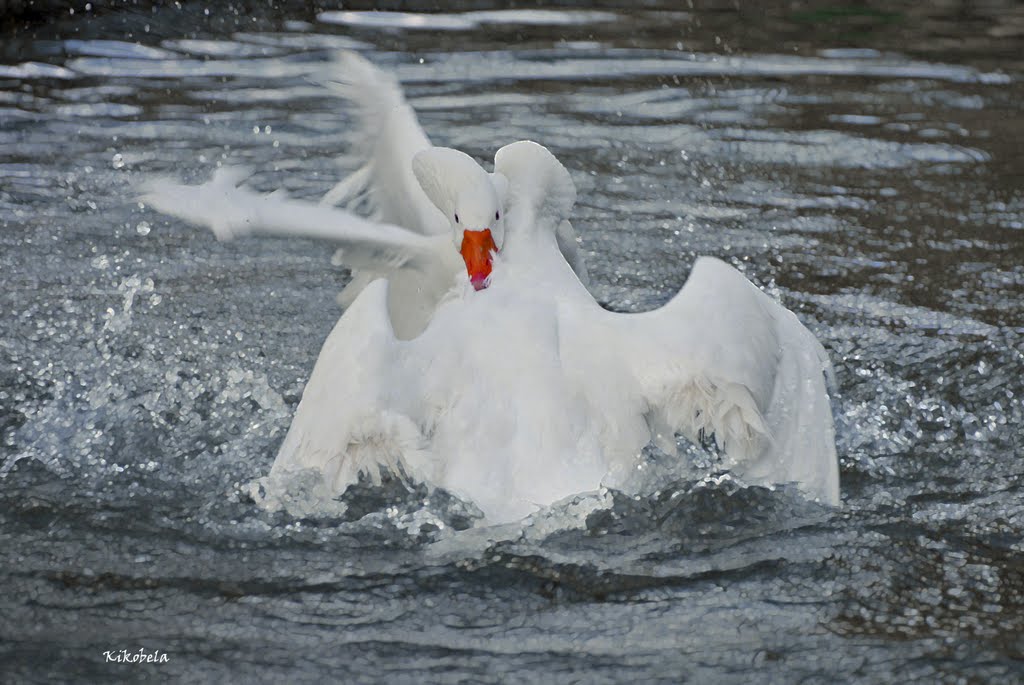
(117, 161)
(143, 228)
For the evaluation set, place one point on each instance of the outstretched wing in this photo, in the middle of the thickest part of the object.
(232, 211)
(384, 139)
(724, 359)
(422, 268)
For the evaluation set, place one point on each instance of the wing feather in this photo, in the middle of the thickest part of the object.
(422, 268)
(233, 211)
(385, 137)
(724, 359)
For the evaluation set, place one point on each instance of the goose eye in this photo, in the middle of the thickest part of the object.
(497, 216)
(456, 218)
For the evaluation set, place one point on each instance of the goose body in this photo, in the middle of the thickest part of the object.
(526, 391)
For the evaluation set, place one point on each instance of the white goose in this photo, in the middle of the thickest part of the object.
(522, 390)
(406, 238)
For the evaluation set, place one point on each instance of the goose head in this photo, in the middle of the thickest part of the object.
(471, 199)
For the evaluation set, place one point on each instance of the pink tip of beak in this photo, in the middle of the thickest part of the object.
(477, 247)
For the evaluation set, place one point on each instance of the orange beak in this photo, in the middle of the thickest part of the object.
(477, 247)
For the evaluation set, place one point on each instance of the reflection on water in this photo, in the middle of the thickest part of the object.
(862, 164)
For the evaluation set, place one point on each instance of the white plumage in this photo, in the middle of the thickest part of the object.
(527, 391)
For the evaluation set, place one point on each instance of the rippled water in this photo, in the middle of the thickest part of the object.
(864, 165)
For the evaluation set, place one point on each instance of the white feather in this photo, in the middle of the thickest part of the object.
(422, 268)
(385, 137)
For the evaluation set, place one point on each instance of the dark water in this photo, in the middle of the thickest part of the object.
(865, 165)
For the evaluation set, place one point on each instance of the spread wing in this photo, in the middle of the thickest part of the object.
(724, 359)
(232, 211)
(423, 268)
(385, 137)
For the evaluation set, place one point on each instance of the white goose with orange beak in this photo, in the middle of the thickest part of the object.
(522, 390)
(405, 237)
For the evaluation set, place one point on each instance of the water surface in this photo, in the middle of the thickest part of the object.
(865, 166)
